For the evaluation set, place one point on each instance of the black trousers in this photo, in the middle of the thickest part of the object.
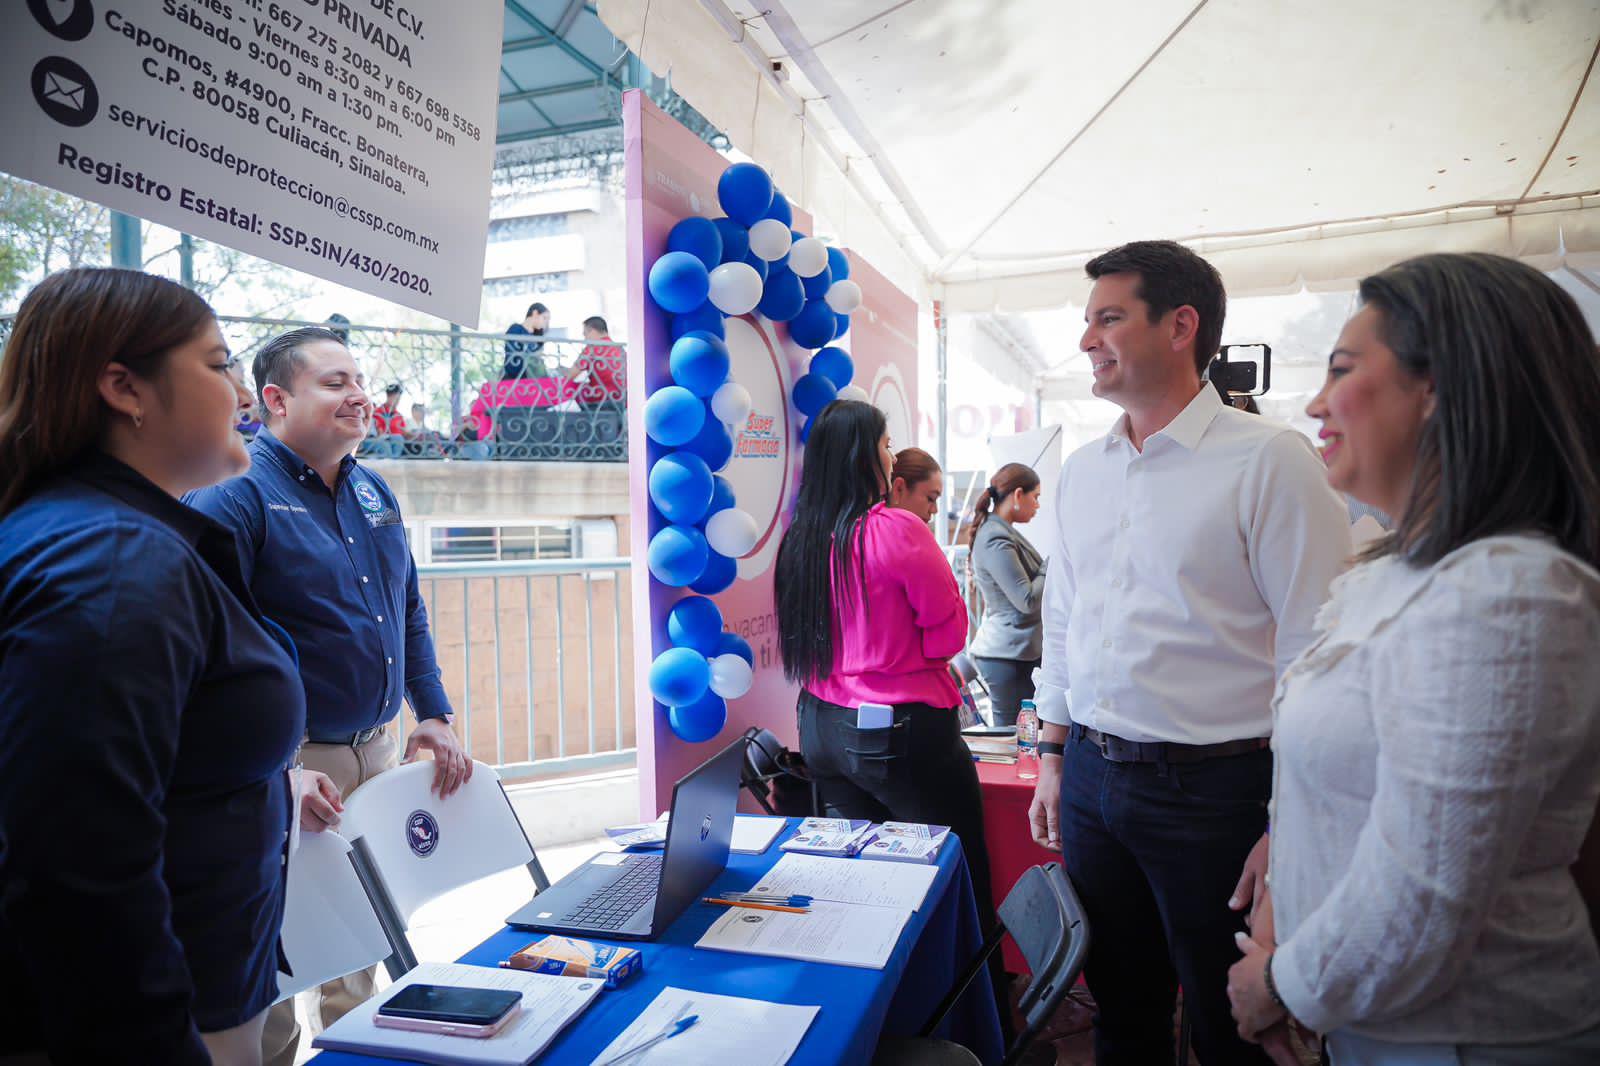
(1154, 852)
(917, 771)
(1010, 681)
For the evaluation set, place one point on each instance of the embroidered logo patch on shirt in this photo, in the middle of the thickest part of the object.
(368, 497)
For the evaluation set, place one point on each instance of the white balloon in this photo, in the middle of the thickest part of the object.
(843, 296)
(731, 403)
(735, 288)
(769, 239)
(732, 532)
(731, 676)
(808, 257)
(852, 392)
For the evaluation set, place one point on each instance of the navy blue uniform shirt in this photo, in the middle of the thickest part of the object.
(334, 569)
(148, 719)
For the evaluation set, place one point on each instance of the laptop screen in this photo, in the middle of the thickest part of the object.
(698, 835)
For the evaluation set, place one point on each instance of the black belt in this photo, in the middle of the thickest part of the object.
(1116, 749)
(350, 740)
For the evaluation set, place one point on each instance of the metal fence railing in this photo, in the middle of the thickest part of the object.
(537, 661)
(481, 396)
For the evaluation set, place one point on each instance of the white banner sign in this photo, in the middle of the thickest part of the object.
(350, 139)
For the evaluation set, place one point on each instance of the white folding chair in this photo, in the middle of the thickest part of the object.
(330, 927)
(411, 847)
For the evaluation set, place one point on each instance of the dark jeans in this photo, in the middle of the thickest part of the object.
(1010, 681)
(1154, 853)
(918, 771)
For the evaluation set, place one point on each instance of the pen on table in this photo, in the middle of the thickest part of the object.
(680, 1026)
(767, 897)
(755, 906)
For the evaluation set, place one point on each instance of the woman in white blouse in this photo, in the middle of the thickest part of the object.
(1438, 745)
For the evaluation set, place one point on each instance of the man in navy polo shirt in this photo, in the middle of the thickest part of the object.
(324, 552)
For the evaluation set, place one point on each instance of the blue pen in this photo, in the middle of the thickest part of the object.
(766, 897)
(668, 1034)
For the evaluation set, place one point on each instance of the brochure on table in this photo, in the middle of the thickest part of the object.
(548, 1004)
(845, 934)
(727, 1029)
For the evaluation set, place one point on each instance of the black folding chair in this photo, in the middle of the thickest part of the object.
(776, 777)
(1044, 917)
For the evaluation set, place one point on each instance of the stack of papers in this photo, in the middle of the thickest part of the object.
(874, 884)
(728, 1029)
(1002, 749)
(548, 1004)
(907, 842)
(846, 934)
(752, 834)
(839, 837)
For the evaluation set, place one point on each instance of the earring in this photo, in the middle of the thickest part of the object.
(138, 420)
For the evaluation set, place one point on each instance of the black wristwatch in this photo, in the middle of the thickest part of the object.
(1050, 747)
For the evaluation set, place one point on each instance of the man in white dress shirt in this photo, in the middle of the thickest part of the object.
(1197, 543)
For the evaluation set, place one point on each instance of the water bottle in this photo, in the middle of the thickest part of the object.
(1028, 741)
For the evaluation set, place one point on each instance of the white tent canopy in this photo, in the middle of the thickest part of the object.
(982, 151)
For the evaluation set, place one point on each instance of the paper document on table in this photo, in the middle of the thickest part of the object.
(753, 833)
(729, 1029)
(881, 884)
(848, 934)
(548, 1004)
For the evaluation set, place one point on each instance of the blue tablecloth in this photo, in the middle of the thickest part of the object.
(857, 1005)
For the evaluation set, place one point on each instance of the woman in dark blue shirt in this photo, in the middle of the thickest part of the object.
(149, 716)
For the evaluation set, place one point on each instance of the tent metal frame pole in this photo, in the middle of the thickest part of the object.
(941, 332)
(186, 260)
(127, 244)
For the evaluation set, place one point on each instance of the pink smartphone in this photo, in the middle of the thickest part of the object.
(448, 1011)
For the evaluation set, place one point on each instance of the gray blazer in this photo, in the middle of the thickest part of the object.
(1010, 574)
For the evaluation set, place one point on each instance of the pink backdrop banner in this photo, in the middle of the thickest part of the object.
(671, 175)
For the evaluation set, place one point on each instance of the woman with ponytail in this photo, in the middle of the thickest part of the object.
(1010, 574)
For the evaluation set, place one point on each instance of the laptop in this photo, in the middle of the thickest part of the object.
(624, 896)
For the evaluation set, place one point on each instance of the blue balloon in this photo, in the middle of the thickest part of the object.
(679, 282)
(712, 443)
(705, 317)
(805, 430)
(681, 487)
(679, 675)
(745, 193)
(842, 325)
(735, 239)
(677, 555)
(719, 575)
(721, 495)
(760, 265)
(779, 208)
(700, 238)
(734, 644)
(699, 362)
(838, 263)
(813, 327)
(700, 720)
(673, 415)
(834, 364)
(694, 622)
(812, 393)
(783, 296)
(817, 284)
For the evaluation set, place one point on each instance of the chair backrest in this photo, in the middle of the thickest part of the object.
(1044, 917)
(423, 846)
(329, 925)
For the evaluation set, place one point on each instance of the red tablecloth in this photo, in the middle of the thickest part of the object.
(521, 392)
(1011, 847)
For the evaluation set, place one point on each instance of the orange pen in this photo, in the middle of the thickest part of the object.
(756, 906)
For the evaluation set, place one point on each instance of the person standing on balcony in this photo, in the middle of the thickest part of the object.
(325, 554)
(523, 358)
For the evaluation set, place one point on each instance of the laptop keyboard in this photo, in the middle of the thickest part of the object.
(612, 906)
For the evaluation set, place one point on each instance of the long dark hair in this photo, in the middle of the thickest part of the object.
(841, 480)
(1513, 443)
(67, 330)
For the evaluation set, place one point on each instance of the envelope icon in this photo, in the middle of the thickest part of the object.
(63, 90)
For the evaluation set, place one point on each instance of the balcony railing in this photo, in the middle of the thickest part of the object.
(487, 396)
(537, 661)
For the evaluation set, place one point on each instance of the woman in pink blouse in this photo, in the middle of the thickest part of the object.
(869, 612)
